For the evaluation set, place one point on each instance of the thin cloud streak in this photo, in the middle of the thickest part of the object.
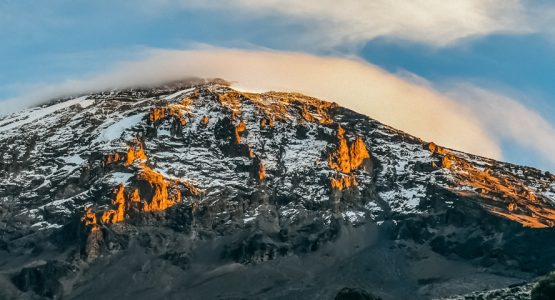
(329, 24)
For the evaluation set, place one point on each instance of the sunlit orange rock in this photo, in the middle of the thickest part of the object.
(135, 152)
(135, 197)
(188, 100)
(109, 216)
(156, 114)
(340, 159)
(326, 121)
(320, 115)
(545, 220)
(512, 206)
(280, 106)
(160, 113)
(346, 159)
(239, 129)
(232, 101)
(266, 122)
(343, 182)
(261, 171)
(176, 111)
(307, 116)
(502, 193)
(358, 153)
(446, 162)
(89, 218)
(204, 120)
(120, 203)
(164, 194)
(340, 132)
(436, 149)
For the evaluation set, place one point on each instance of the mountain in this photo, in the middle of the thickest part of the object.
(193, 190)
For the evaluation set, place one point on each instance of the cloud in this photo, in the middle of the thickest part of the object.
(363, 87)
(508, 120)
(330, 24)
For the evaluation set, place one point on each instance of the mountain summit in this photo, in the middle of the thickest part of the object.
(195, 190)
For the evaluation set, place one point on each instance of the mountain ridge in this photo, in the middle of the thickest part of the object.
(163, 172)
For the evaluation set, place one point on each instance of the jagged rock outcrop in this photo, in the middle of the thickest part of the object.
(171, 111)
(43, 279)
(347, 158)
(342, 182)
(152, 192)
(358, 154)
(205, 120)
(239, 130)
(231, 134)
(134, 152)
(261, 174)
(355, 294)
(94, 237)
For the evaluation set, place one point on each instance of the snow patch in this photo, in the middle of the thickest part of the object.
(86, 103)
(179, 93)
(115, 130)
(74, 160)
(35, 114)
(43, 225)
(119, 177)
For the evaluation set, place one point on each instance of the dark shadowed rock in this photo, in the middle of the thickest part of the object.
(355, 294)
(43, 279)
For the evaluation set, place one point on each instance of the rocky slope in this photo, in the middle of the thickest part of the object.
(195, 190)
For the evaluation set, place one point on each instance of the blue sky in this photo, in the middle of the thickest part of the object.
(501, 47)
(522, 63)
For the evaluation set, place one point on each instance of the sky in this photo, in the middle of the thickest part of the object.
(472, 75)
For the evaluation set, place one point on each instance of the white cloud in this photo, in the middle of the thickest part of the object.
(414, 108)
(509, 120)
(331, 23)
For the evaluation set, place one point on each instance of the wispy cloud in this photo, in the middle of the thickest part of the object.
(320, 24)
(508, 120)
(329, 23)
(414, 108)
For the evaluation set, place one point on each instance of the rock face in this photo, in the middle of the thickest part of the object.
(42, 280)
(355, 294)
(194, 190)
(348, 158)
